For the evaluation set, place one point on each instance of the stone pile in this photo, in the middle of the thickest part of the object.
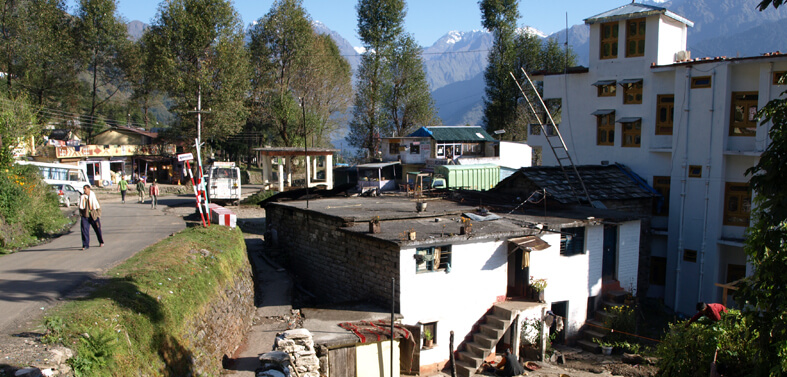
(294, 349)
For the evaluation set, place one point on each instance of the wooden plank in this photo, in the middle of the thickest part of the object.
(341, 362)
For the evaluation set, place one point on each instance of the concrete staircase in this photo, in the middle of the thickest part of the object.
(484, 340)
(595, 328)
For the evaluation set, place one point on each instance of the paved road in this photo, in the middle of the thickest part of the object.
(34, 279)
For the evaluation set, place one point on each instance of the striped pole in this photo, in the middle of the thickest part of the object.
(196, 194)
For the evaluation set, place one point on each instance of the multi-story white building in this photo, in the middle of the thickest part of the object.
(686, 125)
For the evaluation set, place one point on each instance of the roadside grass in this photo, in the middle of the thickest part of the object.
(135, 321)
(255, 199)
(29, 210)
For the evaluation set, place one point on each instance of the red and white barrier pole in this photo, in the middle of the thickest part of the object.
(196, 195)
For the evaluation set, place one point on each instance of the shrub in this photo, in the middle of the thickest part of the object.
(688, 351)
(29, 210)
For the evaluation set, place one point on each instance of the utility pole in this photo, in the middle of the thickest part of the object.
(305, 150)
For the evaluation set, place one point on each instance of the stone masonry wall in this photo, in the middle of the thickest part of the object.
(219, 328)
(333, 264)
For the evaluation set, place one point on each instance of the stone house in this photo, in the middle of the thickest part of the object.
(454, 268)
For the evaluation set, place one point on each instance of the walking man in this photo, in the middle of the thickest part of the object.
(90, 210)
(141, 190)
(154, 193)
(123, 187)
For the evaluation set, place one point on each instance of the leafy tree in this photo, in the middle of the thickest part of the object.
(200, 52)
(367, 112)
(17, 124)
(293, 66)
(764, 4)
(142, 76)
(101, 37)
(501, 94)
(12, 17)
(408, 103)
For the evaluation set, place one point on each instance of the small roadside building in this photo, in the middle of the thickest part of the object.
(455, 267)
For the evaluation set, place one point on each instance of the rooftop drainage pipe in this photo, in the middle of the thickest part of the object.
(684, 177)
(707, 191)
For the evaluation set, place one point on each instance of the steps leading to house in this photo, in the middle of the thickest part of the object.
(594, 328)
(484, 341)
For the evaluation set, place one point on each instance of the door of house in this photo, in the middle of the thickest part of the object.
(609, 262)
(412, 366)
(521, 275)
(341, 361)
(560, 308)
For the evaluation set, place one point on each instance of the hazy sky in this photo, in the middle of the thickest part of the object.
(427, 20)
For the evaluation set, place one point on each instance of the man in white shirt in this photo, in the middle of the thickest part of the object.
(90, 210)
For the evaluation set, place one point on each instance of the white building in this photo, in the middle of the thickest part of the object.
(685, 125)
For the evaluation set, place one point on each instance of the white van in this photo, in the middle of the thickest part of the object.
(224, 183)
(56, 173)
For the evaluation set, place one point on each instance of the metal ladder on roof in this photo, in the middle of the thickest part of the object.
(557, 144)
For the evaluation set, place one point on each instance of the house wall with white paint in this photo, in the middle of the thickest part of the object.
(702, 136)
(457, 299)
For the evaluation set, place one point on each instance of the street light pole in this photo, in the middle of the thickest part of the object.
(305, 150)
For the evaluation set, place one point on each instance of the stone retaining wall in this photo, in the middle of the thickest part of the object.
(333, 264)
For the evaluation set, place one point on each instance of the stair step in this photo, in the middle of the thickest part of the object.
(484, 341)
(470, 359)
(609, 304)
(464, 370)
(476, 349)
(616, 296)
(588, 346)
(502, 312)
(491, 331)
(498, 322)
(596, 325)
(603, 316)
(593, 334)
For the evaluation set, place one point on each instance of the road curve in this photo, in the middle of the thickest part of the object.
(33, 280)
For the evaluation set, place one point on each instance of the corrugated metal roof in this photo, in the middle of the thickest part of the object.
(612, 182)
(630, 81)
(628, 119)
(603, 82)
(603, 112)
(455, 133)
(635, 10)
(469, 167)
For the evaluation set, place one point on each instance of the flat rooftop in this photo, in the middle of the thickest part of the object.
(442, 219)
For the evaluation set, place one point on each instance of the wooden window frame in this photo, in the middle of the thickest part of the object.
(748, 103)
(633, 90)
(608, 129)
(701, 82)
(633, 131)
(662, 185)
(777, 76)
(441, 253)
(635, 34)
(572, 241)
(609, 90)
(415, 148)
(665, 102)
(393, 148)
(611, 40)
(738, 195)
(695, 171)
(432, 327)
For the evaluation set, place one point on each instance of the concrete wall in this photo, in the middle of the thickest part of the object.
(456, 300)
(333, 264)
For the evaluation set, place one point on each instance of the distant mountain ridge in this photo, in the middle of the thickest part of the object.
(455, 63)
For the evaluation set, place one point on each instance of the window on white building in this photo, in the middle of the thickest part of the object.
(632, 132)
(700, 82)
(665, 113)
(415, 148)
(393, 148)
(572, 241)
(635, 37)
(432, 259)
(737, 204)
(609, 40)
(605, 127)
(743, 121)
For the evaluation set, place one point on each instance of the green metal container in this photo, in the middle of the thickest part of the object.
(479, 177)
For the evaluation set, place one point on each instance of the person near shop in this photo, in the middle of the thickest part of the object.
(90, 211)
(123, 187)
(141, 190)
(154, 193)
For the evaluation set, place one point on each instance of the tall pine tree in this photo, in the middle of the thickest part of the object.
(501, 94)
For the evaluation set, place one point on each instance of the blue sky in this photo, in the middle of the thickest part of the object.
(427, 20)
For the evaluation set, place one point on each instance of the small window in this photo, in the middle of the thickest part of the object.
(433, 259)
(609, 40)
(661, 205)
(635, 38)
(393, 148)
(632, 133)
(690, 255)
(737, 204)
(608, 90)
(535, 129)
(743, 121)
(632, 93)
(665, 113)
(658, 271)
(605, 125)
(415, 148)
(735, 272)
(695, 171)
(779, 78)
(572, 241)
(700, 82)
(431, 328)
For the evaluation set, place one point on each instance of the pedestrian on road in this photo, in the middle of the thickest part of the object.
(90, 210)
(712, 311)
(123, 187)
(154, 193)
(141, 190)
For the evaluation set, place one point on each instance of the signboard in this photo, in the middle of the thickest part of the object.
(114, 150)
(185, 157)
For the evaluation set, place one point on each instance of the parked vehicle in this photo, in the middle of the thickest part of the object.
(223, 184)
(61, 174)
(67, 194)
